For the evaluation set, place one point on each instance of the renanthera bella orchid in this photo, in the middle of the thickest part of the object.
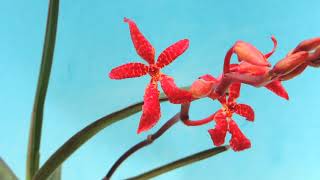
(225, 123)
(253, 68)
(223, 117)
(151, 107)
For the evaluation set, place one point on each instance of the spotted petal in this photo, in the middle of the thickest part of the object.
(172, 52)
(234, 91)
(245, 110)
(141, 44)
(151, 108)
(238, 141)
(218, 134)
(277, 88)
(174, 93)
(129, 70)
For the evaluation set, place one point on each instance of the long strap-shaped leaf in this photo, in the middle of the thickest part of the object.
(75, 142)
(43, 81)
(56, 175)
(83, 136)
(5, 172)
(180, 163)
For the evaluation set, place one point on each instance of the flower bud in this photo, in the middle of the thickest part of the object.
(307, 45)
(201, 88)
(290, 63)
(249, 53)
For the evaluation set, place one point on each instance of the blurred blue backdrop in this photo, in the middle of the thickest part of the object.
(92, 39)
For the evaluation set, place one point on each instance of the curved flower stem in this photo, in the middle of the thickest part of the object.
(142, 144)
(33, 154)
(185, 117)
(180, 163)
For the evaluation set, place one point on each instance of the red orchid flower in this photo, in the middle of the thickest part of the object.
(151, 107)
(253, 67)
(225, 123)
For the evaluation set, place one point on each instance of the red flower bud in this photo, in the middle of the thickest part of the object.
(201, 88)
(289, 63)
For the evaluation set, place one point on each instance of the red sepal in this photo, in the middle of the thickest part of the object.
(141, 44)
(151, 108)
(172, 52)
(174, 93)
(218, 134)
(244, 110)
(129, 70)
(238, 141)
(277, 88)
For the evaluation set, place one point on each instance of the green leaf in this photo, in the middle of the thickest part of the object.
(75, 142)
(33, 155)
(180, 163)
(5, 172)
(56, 175)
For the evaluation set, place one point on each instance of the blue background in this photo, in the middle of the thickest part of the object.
(92, 39)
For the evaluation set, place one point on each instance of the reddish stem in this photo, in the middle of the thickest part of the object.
(142, 144)
(184, 116)
(227, 60)
(223, 85)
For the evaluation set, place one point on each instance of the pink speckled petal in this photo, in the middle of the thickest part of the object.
(234, 91)
(245, 110)
(218, 133)
(174, 93)
(129, 70)
(141, 44)
(151, 108)
(277, 88)
(172, 52)
(239, 141)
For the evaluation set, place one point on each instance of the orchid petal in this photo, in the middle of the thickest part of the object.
(239, 141)
(219, 132)
(277, 88)
(141, 44)
(174, 94)
(222, 99)
(151, 108)
(172, 52)
(234, 91)
(245, 110)
(129, 70)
